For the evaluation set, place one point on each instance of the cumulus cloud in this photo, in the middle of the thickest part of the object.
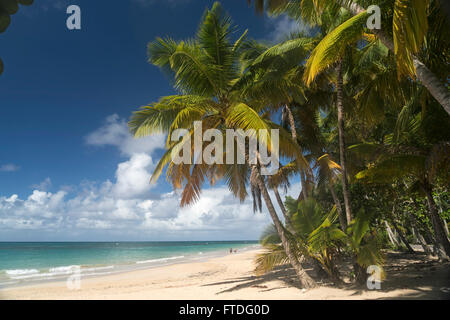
(218, 215)
(115, 133)
(127, 206)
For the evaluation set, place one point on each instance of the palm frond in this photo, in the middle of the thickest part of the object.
(332, 47)
(410, 26)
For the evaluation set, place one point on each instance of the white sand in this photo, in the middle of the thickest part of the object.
(229, 277)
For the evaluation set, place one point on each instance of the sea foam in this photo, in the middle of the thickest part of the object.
(159, 260)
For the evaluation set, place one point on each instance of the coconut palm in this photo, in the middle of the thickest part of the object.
(315, 236)
(409, 23)
(205, 71)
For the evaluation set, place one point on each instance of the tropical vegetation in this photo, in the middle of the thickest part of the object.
(363, 120)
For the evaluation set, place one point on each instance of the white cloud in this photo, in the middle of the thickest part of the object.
(43, 185)
(127, 206)
(115, 133)
(283, 26)
(217, 215)
(10, 167)
(133, 176)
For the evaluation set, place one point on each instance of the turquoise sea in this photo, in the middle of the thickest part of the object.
(30, 262)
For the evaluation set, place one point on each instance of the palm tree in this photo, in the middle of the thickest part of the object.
(277, 71)
(206, 71)
(291, 55)
(315, 236)
(342, 145)
(409, 27)
(274, 74)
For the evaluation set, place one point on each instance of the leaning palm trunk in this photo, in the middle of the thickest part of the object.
(281, 205)
(403, 238)
(341, 123)
(426, 233)
(424, 75)
(392, 237)
(399, 232)
(337, 203)
(303, 173)
(305, 280)
(436, 222)
(423, 243)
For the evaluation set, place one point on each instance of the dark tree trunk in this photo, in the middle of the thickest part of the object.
(337, 202)
(403, 238)
(423, 243)
(427, 234)
(436, 222)
(360, 274)
(399, 232)
(341, 128)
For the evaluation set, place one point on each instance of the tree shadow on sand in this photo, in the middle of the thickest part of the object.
(427, 278)
(284, 274)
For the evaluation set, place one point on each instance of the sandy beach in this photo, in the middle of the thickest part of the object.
(232, 278)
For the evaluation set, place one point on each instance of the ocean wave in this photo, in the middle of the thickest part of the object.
(55, 272)
(64, 270)
(21, 272)
(159, 260)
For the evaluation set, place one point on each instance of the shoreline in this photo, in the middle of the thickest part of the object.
(117, 268)
(231, 277)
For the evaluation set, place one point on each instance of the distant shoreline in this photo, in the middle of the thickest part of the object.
(24, 277)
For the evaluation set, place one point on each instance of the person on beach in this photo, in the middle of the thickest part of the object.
(231, 250)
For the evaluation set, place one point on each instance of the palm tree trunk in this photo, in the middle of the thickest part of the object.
(399, 232)
(305, 280)
(423, 243)
(436, 221)
(281, 205)
(303, 176)
(392, 237)
(403, 238)
(427, 234)
(341, 123)
(337, 203)
(429, 80)
(316, 265)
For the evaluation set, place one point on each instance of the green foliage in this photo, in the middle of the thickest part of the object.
(315, 234)
(364, 242)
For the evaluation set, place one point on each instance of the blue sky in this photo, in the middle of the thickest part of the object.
(68, 168)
